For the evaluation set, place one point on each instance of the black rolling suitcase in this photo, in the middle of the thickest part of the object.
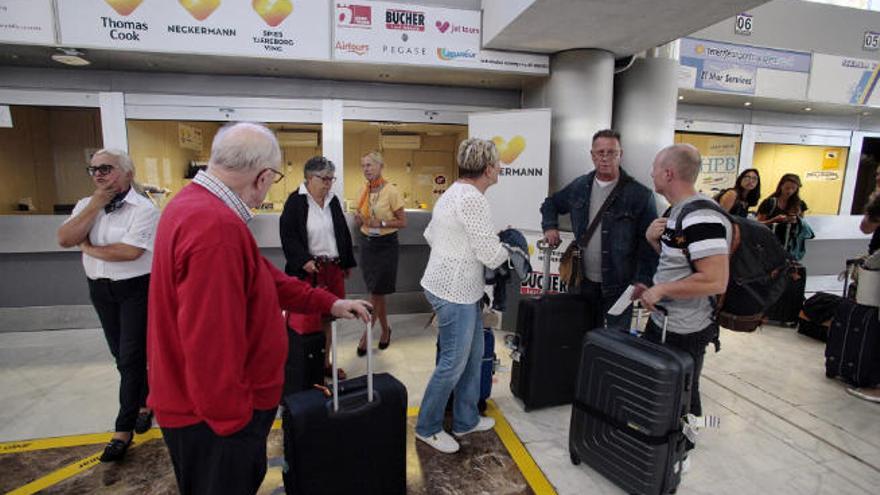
(631, 398)
(351, 442)
(786, 310)
(853, 349)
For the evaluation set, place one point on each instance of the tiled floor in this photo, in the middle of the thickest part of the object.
(785, 428)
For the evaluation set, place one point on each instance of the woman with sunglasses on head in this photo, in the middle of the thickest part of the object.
(379, 215)
(317, 242)
(745, 194)
(114, 228)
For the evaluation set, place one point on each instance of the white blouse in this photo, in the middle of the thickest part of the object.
(463, 240)
(134, 223)
(319, 226)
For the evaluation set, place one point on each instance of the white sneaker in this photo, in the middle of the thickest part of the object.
(484, 424)
(441, 441)
(685, 465)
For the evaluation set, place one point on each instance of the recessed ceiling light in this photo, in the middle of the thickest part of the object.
(680, 97)
(70, 56)
(808, 109)
(747, 104)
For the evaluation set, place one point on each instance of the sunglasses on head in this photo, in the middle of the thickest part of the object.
(100, 170)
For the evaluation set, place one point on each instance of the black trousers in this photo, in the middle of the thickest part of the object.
(207, 463)
(122, 309)
(693, 344)
(593, 291)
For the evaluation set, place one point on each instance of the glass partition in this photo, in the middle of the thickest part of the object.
(43, 158)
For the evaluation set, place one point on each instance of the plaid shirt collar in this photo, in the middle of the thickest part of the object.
(219, 189)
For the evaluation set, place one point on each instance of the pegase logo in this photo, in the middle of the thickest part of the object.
(445, 54)
(404, 20)
(354, 16)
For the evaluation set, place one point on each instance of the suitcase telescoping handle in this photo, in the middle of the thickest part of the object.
(547, 249)
(665, 321)
(336, 369)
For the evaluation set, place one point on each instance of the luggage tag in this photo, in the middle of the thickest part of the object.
(691, 424)
(622, 302)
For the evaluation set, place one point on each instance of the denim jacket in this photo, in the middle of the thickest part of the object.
(627, 256)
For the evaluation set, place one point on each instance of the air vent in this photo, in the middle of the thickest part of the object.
(297, 139)
(400, 141)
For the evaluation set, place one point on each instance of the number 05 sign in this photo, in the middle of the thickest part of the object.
(872, 41)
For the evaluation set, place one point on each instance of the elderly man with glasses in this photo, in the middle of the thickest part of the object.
(216, 339)
(610, 212)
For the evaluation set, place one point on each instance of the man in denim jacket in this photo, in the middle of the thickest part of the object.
(617, 255)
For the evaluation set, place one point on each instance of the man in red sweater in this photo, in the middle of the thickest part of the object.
(216, 341)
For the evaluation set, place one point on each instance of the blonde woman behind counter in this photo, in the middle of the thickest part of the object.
(379, 215)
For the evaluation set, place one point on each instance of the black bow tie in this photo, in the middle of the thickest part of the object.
(116, 202)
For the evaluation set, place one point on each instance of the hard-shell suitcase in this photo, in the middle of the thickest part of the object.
(786, 310)
(547, 344)
(487, 370)
(631, 397)
(853, 349)
(351, 442)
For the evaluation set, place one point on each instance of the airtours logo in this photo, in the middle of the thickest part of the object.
(344, 46)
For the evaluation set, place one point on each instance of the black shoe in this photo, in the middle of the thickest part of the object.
(115, 450)
(362, 351)
(144, 422)
(384, 345)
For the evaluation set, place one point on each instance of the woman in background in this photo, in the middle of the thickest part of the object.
(316, 240)
(463, 242)
(379, 215)
(745, 194)
(783, 209)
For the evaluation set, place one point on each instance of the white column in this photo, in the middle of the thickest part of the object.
(114, 134)
(331, 140)
(580, 93)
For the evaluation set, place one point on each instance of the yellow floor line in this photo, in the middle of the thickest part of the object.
(527, 466)
(66, 441)
(77, 467)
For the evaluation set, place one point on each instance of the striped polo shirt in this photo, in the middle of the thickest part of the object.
(706, 233)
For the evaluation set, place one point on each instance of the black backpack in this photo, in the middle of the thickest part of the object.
(759, 270)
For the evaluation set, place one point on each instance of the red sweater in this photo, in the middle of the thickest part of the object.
(216, 342)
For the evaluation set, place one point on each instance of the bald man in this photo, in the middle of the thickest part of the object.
(216, 341)
(681, 286)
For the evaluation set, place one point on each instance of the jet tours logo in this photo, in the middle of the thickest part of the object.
(124, 7)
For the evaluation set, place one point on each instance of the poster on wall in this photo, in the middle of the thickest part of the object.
(397, 33)
(743, 69)
(285, 29)
(720, 160)
(846, 80)
(523, 141)
(531, 286)
(27, 22)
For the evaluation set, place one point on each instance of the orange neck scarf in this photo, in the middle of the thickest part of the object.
(363, 204)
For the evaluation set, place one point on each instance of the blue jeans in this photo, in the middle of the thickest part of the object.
(461, 353)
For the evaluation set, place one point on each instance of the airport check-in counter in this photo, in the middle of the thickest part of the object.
(43, 286)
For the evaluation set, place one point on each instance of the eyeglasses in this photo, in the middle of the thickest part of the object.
(279, 174)
(606, 153)
(100, 170)
(325, 180)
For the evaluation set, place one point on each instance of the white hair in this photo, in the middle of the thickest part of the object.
(244, 146)
(122, 159)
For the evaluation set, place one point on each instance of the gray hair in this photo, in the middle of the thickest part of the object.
(122, 159)
(474, 155)
(243, 147)
(685, 159)
(317, 164)
(375, 157)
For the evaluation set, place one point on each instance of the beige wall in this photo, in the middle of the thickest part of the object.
(412, 171)
(44, 155)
